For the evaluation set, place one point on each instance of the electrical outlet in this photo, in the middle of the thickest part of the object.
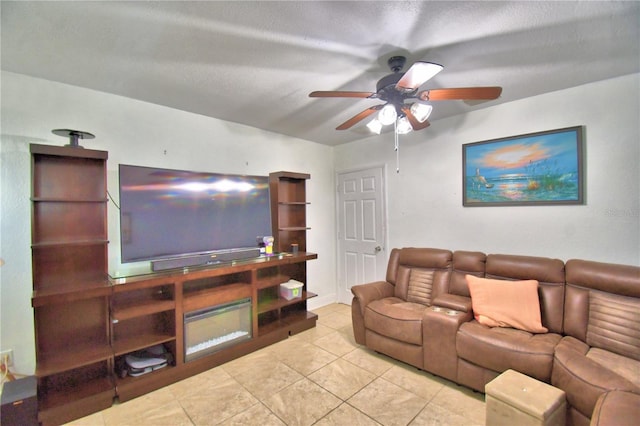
(8, 355)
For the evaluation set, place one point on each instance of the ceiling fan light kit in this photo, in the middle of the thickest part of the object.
(403, 126)
(387, 115)
(375, 126)
(421, 111)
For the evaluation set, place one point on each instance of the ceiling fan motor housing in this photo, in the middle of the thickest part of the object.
(396, 63)
(386, 87)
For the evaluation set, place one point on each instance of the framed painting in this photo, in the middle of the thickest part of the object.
(543, 168)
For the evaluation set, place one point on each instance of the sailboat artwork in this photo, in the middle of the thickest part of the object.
(542, 168)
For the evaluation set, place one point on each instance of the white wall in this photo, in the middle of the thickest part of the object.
(425, 198)
(136, 132)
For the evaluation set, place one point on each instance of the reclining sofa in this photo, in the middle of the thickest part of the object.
(584, 336)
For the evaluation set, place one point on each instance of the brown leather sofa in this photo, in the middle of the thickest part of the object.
(422, 315)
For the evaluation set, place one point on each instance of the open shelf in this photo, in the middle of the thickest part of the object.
(272, 281)
(295, 321)
(133, 343)
(72, 357)
(69, 293)
(56, 407)
(140, 309)
(280, 302)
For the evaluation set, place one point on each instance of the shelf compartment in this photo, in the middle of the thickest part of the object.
(70, 293)
(142, 301)
(291, 235)
(68, 266)
(271, 304)
(128, 344)
(72, 357)
(71, 395)
(294, 321)
(140, 309)
(272, 281)
(67, 222)
(292, 215)
(290, 187)
(74, 334)
(57, 174)
(140, 332)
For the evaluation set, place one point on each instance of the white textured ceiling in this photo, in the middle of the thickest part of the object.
(256, 62)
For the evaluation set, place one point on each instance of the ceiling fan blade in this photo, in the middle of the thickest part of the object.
(412, 120)
(340, 94)
(417, 75)
(461, 93)
(358, 117)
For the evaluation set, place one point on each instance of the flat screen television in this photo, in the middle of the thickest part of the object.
(179, 218)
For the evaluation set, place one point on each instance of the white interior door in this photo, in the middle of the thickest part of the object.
(362, 256)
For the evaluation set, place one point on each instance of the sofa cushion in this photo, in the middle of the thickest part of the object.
(499, 349)
(502, 303)
(420, 286)
(625, 367)
(393, 317)
(583, 379)
(614, 323)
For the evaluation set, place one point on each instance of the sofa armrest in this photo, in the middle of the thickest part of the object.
(453, 301)
(366, 293)
(616, 408)
(439, 330)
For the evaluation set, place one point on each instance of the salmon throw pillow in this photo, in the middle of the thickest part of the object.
(502, 303)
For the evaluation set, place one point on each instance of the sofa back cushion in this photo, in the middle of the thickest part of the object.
(603, 306)
(549, 273)
(420, 286)
(429, 264)
(466, 263)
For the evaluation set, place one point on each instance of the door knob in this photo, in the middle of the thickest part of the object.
(378, 249)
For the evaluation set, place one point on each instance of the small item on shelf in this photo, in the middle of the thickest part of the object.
(147, 360)
(294, 248)
(268, 242)
(292, 289)
(261, 245)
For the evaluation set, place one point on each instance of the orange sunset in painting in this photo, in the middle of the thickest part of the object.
(528, 169)
(515, 156)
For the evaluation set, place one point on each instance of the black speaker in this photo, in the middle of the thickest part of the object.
(20, 402)
(205, 259)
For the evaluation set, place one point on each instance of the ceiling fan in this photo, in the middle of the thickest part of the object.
(405, 106)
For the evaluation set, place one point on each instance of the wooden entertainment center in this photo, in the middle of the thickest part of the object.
(86, 321)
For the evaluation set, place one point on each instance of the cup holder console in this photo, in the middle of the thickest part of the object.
(446, 311)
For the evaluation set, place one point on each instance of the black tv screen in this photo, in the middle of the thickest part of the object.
(170, 213)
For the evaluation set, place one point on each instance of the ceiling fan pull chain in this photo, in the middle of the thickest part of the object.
(397, 145)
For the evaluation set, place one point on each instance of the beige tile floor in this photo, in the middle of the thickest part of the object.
(318, 377)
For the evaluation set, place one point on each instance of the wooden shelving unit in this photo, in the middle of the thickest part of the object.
(70, 284)
(88, 322)
(289, 223)
(288, 210)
